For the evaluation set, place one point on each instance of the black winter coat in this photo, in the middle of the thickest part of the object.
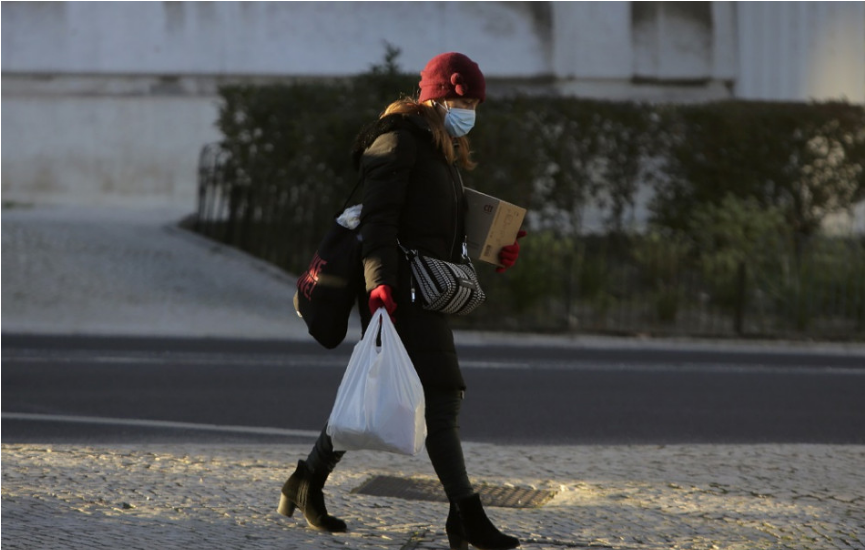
(413, 196)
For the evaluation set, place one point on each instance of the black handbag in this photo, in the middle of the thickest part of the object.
(446, 287)
(329, 287)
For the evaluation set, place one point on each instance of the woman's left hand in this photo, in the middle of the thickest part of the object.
(508, 254)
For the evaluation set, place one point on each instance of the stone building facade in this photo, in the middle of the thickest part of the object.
(108, 102)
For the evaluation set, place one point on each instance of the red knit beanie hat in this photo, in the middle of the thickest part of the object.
(452, 76)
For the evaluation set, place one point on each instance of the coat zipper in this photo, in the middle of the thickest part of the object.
(456, 205)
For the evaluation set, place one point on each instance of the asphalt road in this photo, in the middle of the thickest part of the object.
(105, 390)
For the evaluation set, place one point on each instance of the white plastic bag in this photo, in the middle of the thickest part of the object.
(380, 402)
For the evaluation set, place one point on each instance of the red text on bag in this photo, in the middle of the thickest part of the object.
(306, 283)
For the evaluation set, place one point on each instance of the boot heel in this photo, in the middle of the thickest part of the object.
(456, 542)
(286, 507)
(476, 528)
(453, 527)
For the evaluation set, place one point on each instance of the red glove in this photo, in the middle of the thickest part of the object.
(508, 254)
(382, 296)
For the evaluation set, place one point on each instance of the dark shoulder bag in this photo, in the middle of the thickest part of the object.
(328, 289)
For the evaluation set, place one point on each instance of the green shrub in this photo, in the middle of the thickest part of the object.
(734, 183)
(661, 257)
(559, 156)
(808, 160)
(732, 234)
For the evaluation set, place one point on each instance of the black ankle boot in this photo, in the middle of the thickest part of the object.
(467, 523)
(454, 528)
(304, 490)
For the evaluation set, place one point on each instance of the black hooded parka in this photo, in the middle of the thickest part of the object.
(411, 196)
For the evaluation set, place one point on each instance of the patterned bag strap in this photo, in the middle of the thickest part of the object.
(466, 252)
(409, 253)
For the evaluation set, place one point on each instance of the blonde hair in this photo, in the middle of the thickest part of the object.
(443, 141)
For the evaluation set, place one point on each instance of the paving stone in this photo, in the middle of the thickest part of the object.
(695, 497)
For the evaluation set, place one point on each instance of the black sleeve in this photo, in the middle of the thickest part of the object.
(387, 166)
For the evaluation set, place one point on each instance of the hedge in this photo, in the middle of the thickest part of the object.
(737, 187)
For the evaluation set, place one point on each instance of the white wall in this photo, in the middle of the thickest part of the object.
(651, 51)
(112, 101)
(275, 38)
(799, 51)
(80, 149)
(600, 40)
(108, 101)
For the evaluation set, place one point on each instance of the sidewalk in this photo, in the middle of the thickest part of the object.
(79, 270)
(133, 272)
(694, 497)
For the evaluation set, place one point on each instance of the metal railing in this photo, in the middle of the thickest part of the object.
(273, 222)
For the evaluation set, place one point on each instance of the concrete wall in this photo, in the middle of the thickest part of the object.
(104, 149)
(799, 51)
(654, 51)
(261, 38)
(112, 101)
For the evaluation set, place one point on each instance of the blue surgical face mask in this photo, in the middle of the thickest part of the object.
(458, 122)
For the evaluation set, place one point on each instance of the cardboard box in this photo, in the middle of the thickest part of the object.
(491, 224)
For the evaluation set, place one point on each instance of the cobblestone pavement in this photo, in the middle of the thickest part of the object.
(634, 497)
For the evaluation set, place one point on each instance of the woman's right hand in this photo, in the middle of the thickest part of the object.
(382, 296)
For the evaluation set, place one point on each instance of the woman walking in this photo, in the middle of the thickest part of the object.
(413, 197)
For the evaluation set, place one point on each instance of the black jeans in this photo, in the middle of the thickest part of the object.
(442, 443)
